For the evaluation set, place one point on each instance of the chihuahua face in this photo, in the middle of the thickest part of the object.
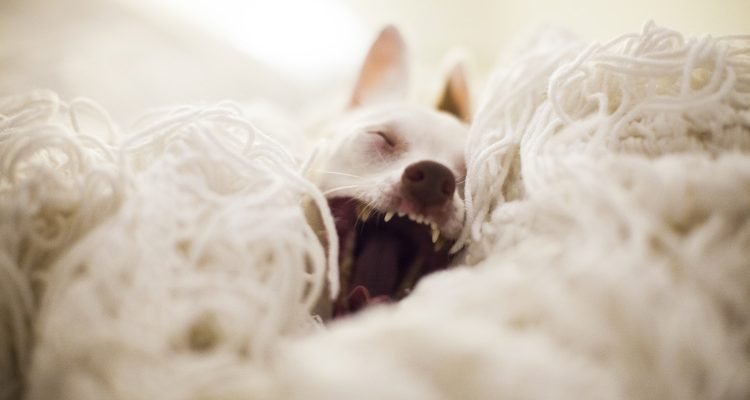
(393, 178)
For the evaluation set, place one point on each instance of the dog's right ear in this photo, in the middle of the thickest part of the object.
(455, 98)
(384, 75)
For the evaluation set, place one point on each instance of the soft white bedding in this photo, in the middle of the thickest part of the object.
(607, 245)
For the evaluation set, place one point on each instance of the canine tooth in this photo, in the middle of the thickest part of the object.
(439, 245)
(435, 235)
(388, 216)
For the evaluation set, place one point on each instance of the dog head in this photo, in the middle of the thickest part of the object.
(393, 178)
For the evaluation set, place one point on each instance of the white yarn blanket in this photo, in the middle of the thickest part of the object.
(607, 246)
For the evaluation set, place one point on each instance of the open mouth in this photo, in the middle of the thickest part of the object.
(383, 253)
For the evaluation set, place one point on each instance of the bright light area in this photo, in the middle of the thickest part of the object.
(300, 38)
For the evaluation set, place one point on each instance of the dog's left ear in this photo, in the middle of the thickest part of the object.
(385, 73)
(455, 97)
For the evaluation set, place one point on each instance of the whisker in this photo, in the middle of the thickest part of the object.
(339, 173)
(374, 210)
(342, 188)
(371, 205)
(365, 212)
(351, 200)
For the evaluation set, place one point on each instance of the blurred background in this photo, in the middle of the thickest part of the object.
(130, 55)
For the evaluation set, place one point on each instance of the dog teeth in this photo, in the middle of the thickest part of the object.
(439, 244)
(420, 219)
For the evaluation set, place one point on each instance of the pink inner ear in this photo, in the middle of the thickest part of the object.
(384, 74)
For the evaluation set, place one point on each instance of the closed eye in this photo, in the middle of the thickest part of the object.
(385, 136)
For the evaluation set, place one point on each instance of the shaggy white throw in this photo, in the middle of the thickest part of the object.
(607, 246)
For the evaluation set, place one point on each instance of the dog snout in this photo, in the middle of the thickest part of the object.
(428, 183)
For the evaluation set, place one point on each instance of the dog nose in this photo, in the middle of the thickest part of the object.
(428, 183)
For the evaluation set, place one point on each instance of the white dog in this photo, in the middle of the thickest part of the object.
(393, 177)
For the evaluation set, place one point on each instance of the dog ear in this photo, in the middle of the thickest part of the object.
(384, 74)
(455, 98)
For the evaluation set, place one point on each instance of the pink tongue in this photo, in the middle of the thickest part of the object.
(376, 266)
(359, 298)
